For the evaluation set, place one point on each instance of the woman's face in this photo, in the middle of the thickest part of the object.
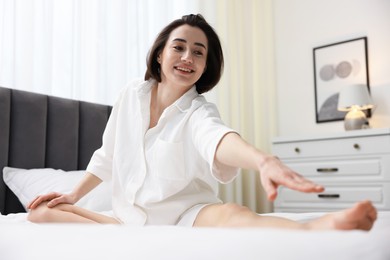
(183, 59)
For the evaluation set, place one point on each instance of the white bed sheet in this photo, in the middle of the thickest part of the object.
(21, 240)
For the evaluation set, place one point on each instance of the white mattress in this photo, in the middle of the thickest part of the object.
(20, 240)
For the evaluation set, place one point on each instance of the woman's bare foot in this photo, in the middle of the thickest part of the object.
(361, 216)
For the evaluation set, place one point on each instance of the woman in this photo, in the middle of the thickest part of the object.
(165, 147)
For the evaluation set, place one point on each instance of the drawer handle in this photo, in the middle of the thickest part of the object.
(327, 170)
(356, 146)
(328, 196)
(297, 150)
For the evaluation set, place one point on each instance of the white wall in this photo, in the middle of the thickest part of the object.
(301, 25)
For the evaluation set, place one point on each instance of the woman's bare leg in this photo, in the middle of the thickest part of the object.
(67, 213)
(361, 216)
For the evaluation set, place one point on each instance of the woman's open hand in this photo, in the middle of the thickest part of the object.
(274, 173)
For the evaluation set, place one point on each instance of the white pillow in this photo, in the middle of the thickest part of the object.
(27, 184)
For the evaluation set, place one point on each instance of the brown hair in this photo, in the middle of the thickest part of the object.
(214, 64)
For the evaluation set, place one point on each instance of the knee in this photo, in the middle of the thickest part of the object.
(40, 214)
(232, 213)
(232, 209)
(222, 215)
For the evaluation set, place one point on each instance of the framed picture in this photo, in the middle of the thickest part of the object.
(337, 65)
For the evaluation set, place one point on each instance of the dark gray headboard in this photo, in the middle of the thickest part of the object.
(40, 131)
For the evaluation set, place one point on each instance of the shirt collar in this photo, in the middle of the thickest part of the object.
(183, 103)
(145, 87)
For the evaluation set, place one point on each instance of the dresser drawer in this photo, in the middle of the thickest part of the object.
(352, 166)
(334, 197)
(332, 147)
(370, 168)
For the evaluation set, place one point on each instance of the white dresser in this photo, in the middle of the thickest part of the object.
(352, 165)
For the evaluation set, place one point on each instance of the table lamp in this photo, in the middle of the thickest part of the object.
(355, 99)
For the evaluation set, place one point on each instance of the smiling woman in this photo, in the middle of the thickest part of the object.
(186, 57)
(181, 150)
(192, 48)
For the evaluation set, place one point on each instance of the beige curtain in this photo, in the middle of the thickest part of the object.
(87, 50)
(246, 94)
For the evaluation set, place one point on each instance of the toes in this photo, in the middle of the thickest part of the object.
(367, 224)
(370, 210)
(373, 214)
(369, 215)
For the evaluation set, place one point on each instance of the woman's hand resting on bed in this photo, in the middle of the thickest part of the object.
(53, 198)
(87, 183)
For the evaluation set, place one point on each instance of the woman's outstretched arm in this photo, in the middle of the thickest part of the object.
(234, 151)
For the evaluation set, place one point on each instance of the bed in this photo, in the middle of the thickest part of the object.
(46, 143)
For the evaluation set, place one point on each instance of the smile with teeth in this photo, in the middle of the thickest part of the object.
(184, 69)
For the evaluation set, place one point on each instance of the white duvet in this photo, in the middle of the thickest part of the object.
(20, 239)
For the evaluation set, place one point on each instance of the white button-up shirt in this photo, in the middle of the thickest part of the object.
(159, 173)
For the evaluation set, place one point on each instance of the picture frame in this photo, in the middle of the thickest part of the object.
(336, 65)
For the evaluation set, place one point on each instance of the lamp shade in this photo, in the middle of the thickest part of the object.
(354, 96)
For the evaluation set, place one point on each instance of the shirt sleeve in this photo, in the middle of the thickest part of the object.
(100, 164)
(208, 131)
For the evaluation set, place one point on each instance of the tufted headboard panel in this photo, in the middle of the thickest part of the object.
(40, 131)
